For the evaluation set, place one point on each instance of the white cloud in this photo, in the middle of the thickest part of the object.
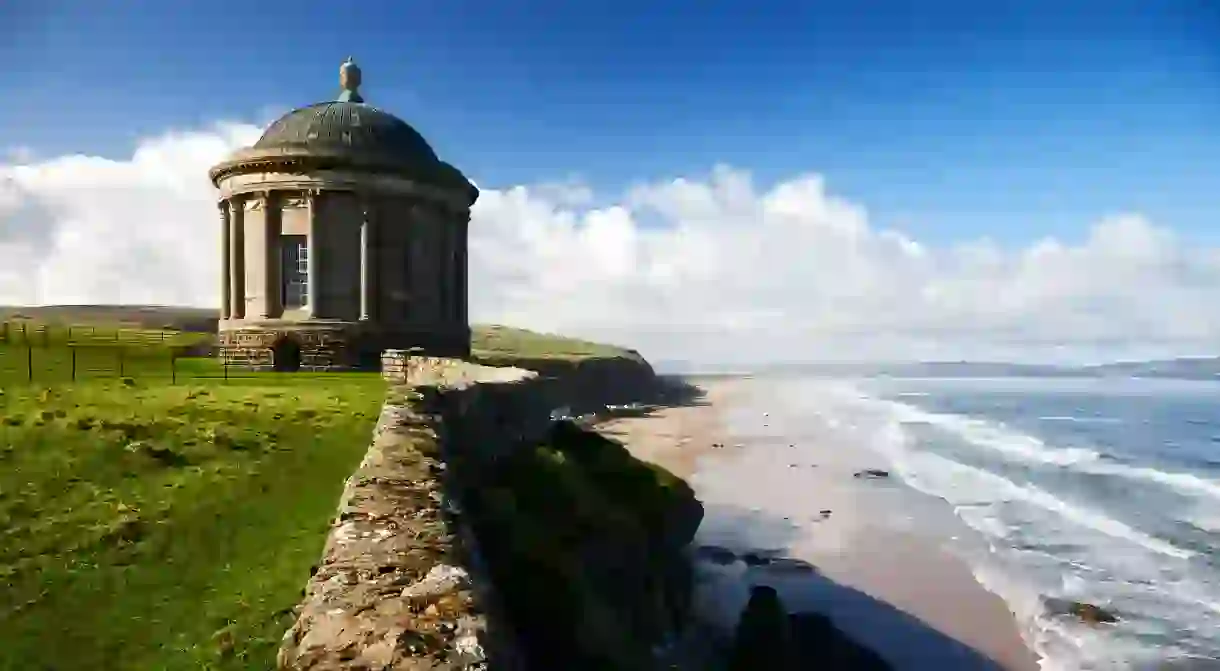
(711, 268)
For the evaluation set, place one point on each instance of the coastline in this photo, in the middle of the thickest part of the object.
(891, 587)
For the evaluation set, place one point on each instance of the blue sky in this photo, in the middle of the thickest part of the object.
(949, 120)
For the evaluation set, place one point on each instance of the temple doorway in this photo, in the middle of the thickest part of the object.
(286, 355)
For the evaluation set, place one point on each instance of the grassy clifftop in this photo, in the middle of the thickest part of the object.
(138, 500)
(490, 343)
(150, 525)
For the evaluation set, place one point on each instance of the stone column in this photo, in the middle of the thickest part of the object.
(455, 297)
(463, 269)
(375, 262)
(443, 267)
(226, 263)
(455, 282)
(237, 239)
(314, 286)
(273, 299)
(368, 263)
(410, 277)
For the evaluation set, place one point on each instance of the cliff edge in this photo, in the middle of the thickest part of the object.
(481, 533)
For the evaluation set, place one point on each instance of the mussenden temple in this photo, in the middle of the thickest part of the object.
(343, 234)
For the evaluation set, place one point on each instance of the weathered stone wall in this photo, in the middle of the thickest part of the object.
(402, 583)
(321, 349)
(416, 256)
(330, 346)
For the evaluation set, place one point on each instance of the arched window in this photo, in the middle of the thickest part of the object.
(294, 257)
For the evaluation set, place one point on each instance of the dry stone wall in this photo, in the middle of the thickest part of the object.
(402, 583)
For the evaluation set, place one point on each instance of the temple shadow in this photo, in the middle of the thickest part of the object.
(738, 549)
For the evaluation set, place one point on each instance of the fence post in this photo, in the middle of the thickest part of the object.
(29, 363)
(225, 360)
(121, 362)
(173, 367)
(73, 348)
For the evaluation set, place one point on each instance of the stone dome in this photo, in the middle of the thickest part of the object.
(344, 133)
(347, 127)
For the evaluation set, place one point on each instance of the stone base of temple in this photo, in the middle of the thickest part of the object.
(329, 345)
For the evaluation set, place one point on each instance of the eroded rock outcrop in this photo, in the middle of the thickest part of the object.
(586, 546)
(768, 637)
(762, 639)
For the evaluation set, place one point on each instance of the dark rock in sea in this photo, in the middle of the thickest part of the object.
(715, 554)
(758, 558)
(790, 565)
(762, 639)
(872, 474)
(1081, 610)
(754, 559)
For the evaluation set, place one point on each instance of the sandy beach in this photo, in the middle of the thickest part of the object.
(886, 582)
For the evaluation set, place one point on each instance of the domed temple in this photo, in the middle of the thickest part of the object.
(343, 235)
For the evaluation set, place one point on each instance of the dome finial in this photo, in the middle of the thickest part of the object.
(349, 81)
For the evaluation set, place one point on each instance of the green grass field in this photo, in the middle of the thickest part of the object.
(149, 525)
(155, 515)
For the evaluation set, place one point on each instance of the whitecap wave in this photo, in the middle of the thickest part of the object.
(1156, 578)
(1015, 445)
(966, 487)
(1080, 420)
(1036, 538)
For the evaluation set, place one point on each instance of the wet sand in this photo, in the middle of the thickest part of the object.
(894, 589)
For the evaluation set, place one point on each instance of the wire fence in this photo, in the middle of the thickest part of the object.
(46, 335)
(49, 353)
(31, 364)
(75, 363)
(38, 354)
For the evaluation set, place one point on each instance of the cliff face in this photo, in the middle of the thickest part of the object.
(585, 544)
(479, 533)
(588, 375)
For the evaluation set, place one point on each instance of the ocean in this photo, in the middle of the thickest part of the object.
(1105, 491)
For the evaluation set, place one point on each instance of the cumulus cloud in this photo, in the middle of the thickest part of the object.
(712, 268)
